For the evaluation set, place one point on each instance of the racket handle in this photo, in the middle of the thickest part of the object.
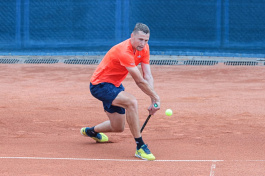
(145, 123)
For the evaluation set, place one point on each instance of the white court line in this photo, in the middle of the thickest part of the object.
(212, 169)
(93, 159)
(136, 160)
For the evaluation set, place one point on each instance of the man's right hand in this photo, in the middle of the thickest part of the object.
(154, 107)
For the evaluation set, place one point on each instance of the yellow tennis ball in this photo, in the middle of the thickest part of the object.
(169, 112)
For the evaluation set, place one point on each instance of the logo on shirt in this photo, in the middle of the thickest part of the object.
(139, 56)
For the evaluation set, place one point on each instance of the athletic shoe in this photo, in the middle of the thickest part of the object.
(144, 153)
(100, 137)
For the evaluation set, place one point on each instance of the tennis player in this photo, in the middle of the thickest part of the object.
(106, 85)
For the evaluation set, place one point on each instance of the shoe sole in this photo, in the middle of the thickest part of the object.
(138, 156)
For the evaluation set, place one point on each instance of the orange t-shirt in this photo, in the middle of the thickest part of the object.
(112, 68)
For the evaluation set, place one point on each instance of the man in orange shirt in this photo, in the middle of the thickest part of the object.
(106, 85)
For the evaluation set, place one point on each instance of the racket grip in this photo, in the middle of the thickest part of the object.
(145, 123)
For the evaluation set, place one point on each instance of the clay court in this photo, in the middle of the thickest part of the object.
(217, 126)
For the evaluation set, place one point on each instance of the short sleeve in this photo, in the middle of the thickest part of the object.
(127, 60)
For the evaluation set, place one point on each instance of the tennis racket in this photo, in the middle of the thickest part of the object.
(145, 123)
(155, 105)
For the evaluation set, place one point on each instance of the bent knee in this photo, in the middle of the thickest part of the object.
(118, 129)
(132, 104)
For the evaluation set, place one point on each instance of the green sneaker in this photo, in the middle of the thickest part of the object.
(100, 137)
(144, 153)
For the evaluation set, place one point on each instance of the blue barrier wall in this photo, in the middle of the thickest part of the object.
(89, 27)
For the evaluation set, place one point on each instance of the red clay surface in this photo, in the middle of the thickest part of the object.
(217, 126)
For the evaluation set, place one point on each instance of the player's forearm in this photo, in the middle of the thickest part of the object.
(150, 81)
(149, 90)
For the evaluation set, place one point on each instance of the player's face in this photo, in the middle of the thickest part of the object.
(139, 40)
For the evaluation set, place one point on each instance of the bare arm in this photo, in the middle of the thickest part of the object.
(147, 75)
(145, 83)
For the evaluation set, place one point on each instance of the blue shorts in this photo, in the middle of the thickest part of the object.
(107, 92)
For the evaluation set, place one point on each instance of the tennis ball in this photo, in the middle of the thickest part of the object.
(168, 112)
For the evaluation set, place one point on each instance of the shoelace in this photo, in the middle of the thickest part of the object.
(99, 136)
(92, 134)
(145, 148)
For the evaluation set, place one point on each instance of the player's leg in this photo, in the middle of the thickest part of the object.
(106, 92)
(116, 120)
(115, 100)
(129, 102)
(115, 123)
